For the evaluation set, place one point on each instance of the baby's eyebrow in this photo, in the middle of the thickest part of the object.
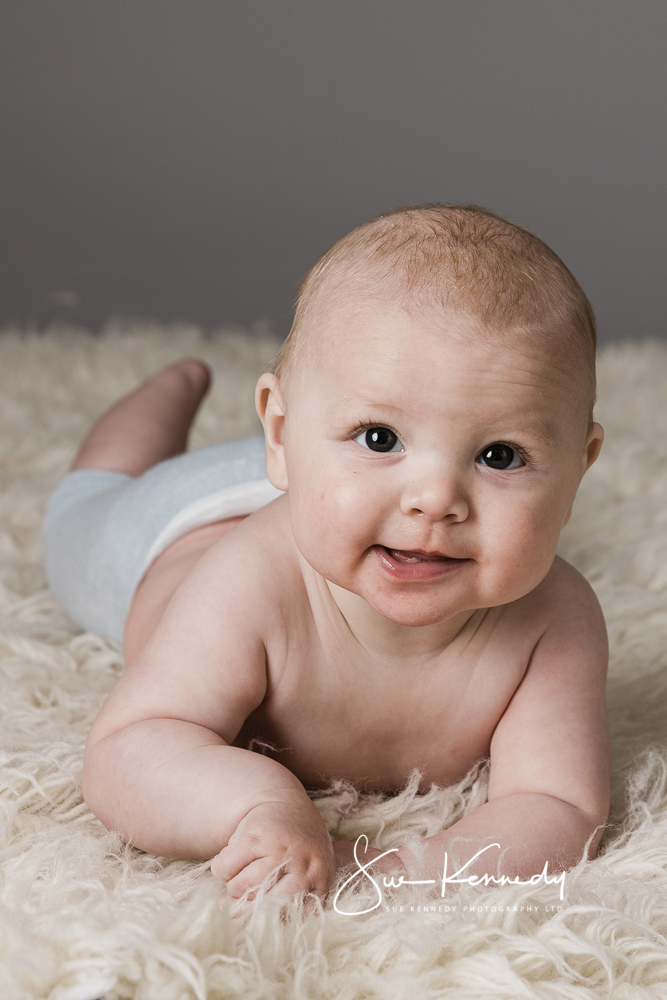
(545, 430)
(344, 401)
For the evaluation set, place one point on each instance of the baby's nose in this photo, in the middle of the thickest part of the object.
(436, 494)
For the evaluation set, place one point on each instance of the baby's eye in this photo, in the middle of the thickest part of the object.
(500, 456)
(379, 439)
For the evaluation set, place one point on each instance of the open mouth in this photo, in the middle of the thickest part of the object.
(414, 565)
(402, 556)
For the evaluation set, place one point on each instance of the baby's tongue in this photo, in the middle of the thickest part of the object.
(412, 557)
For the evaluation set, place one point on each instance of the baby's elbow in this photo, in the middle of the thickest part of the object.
(92, 780)
(594, 823)
(102, 767)
(587, 826)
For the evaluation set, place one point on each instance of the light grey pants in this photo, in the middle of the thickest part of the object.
(103, 529)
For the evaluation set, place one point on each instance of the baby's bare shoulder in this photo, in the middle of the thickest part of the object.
(553, 737)
(566, 673)
(256, 561)
(206, 662)
(564, 597)
(248, 587)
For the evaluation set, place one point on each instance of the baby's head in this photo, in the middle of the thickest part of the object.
(431, 411)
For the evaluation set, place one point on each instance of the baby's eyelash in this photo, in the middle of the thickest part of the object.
(523, 453)
(367, 426)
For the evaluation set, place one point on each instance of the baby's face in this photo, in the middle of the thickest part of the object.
(430, 465)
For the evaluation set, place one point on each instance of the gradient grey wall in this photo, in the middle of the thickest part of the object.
(191, 158)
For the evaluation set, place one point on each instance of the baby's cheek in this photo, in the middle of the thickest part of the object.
(335, 521)
(524, 551)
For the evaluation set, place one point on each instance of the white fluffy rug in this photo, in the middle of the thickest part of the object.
(82, 916)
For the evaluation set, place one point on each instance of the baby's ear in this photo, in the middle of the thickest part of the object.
(271, 411)
(592, 448)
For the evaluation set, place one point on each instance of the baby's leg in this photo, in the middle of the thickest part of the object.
(143, 428)
(148, 425)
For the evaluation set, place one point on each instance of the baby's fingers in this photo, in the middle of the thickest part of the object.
(252, 876)
(233, 858)
(288, 886)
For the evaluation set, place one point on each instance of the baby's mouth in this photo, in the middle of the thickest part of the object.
(408, 564)
(405, 556)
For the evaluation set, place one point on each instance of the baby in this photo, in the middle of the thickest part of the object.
(393, 600)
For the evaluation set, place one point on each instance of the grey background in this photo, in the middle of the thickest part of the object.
(189, 159)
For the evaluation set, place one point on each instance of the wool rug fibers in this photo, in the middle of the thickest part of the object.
(83, 916)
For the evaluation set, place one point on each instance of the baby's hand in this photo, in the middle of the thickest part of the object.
(287, 832)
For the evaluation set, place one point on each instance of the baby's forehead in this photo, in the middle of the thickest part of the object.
(365, 353)
(345, 327)
(355, 346)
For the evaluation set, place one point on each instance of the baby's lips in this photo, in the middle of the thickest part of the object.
(414, 556)
(414, 565)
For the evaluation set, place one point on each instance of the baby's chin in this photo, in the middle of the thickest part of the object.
(412, 606)
(420, 621)
(416, 614)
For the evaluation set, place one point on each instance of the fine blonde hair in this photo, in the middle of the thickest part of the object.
(459, 257)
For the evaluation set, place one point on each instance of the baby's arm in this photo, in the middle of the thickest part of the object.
(159, 767)
(549, 779)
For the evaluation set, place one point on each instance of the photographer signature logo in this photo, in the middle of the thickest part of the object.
(445, 880)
